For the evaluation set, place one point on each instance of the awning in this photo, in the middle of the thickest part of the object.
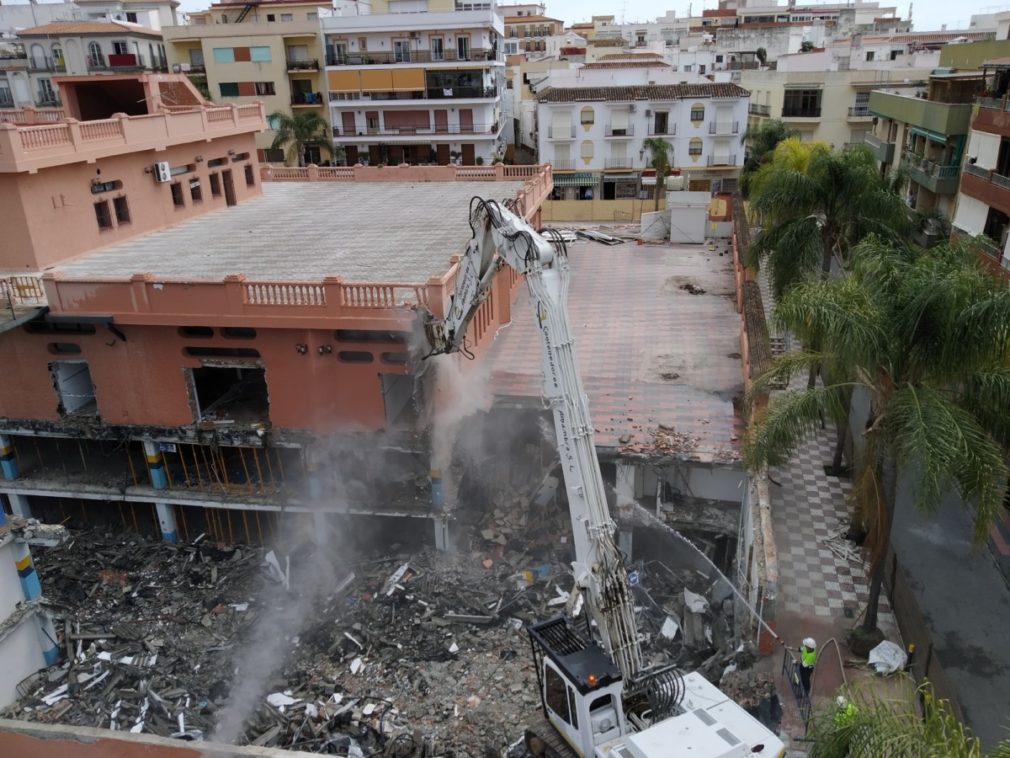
(620, 177)
(343, 81)
(935, 136)
(408, 79)
(376, 80)
(580, 179)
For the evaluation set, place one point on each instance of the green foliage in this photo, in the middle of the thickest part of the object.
(298, 132)
(876, 726)
(926, 335)
(762, 55)
(761, 143)
(806, 46)
(659, 153)
(815, 206)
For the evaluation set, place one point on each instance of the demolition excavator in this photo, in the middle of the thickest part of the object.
(598, 699)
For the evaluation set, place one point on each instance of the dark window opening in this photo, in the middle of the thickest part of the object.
(122, 210)
(556, 694)
(177, 199)
(102, 215)
(231, 393)
(240, 157)
(217, 162)
(195, 331)
(250, 177)
(98, 187)
(355, 356)
(74, 388)
(229, 89)
(222, 352)
(997, 227)
(57, 348)
(239, 332)
(804, 103)
(366, 335)
(215, 185)
(52, 327)
(195, 191)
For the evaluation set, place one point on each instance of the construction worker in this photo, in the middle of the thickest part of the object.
(808, 657)
(845, 712)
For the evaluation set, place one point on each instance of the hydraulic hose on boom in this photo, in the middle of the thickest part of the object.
(500, 237)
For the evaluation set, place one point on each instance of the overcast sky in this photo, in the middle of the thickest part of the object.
(927, 14)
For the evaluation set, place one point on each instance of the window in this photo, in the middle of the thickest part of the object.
(195, 191)
(265, 88)
(224, 55)
(260, 54)
(177, 200)
(98, 187)
(121, 48)
(694, 147)
(131, 17)
(74, 388)
(195, 56)
(586, 149)
(804, 103)
(213, 162)
(229, 89)
(250, 176)
(869, 55)
(215, 185)
(57, 55)
(273, 121)
(239, 157)
(102, 214)
(463, 48)
(271, 17)
(698, 112)
(312, 16)
(287, 17)
(556, 694)
(94, 54)
(718, 59)
(437, 49)
(895, 54)
(587, 116)
(363, 43)
(122, 210)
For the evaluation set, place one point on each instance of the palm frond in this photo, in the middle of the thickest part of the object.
(944, 447)
(787, 421)
(780, 371)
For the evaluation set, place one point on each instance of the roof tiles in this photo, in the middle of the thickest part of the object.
(641, 92)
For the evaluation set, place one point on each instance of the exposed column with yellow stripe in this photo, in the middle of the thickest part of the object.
(8, 459)
(31, 588)
(159, 480)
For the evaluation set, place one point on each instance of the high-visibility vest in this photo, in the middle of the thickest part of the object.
(807, 657)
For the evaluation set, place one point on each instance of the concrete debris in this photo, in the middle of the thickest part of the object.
(755, 692)
(596, 236)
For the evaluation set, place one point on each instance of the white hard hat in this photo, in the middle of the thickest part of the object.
(809, 643)
(841, 701)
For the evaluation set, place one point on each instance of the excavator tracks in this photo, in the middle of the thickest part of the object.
(543, 741)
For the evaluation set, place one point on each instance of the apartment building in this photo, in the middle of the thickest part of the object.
(924, 130)
(423, 87)
(273, 55)
(75, 48)
(983, 200)
(153, 14)
(593, 135)
(822, 105)
(529, 34)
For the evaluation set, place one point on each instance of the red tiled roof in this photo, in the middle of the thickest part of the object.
(927, 38)
(86, 27)
(625, 56)
(609, 42)
(640, 92)
(629, 64)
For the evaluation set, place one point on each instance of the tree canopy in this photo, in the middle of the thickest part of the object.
(295, 133)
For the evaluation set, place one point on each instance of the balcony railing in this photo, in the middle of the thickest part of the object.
(722, 160)
(859, 111)
(563, 164)
(312, 65)
(45, 63)
(801, 113)
(477, 55)
(981, 173)
(6, 102)
(561, 132)
(619, 163)
(726, 128)
(669, 131)
(620, 131)
(307, 98)
(401, 131)
(47, 100)
(431, 93)
(759, 110)
(997, 103)
(928, 167)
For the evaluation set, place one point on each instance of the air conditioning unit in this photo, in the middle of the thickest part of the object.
(162, 172)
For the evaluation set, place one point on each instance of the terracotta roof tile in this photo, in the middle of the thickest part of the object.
(609, 42)
(652, 63)
(640, 92)
(626, 56)
(86, 27)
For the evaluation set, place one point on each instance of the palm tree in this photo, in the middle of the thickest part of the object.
(659, 151)
(761, 143)
(299, 132)
(875, 727)
(926, 338)
(814, 205)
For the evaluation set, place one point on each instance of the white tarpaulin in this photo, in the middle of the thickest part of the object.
(887, 657)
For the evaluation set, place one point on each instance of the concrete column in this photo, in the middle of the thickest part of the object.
(47, 639)
(155, 465)
(437, 491)
(31, 588)
(166, 520)
(320, 529)
(624, 542)
(20, 505)
(442, 542)
(8, 460)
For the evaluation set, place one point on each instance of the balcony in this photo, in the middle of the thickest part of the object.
(669, 131)
(306, 99)
(561, 132)
(993, 116)
(986, 185)
(620, 132)
(724, 129)
(722, 160)
(477, 130)
(882, 150)
(937, 178)
(298, 66)
(30, 148)
(619, 163)
(366, 58)
(6, 101)
(800, 113)
(564, 164)
(860, 113)
(47, 100)
(432, 93)
(759, 110)
(45, 63)
(942, 118)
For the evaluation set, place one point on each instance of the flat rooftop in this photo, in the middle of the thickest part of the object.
(651, 353)
(305, 231)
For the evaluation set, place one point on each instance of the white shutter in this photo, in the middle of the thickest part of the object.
(619, 118)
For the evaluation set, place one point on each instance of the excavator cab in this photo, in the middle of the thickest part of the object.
(581, 692)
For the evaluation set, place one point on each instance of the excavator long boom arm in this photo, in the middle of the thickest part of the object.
(500, 237)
